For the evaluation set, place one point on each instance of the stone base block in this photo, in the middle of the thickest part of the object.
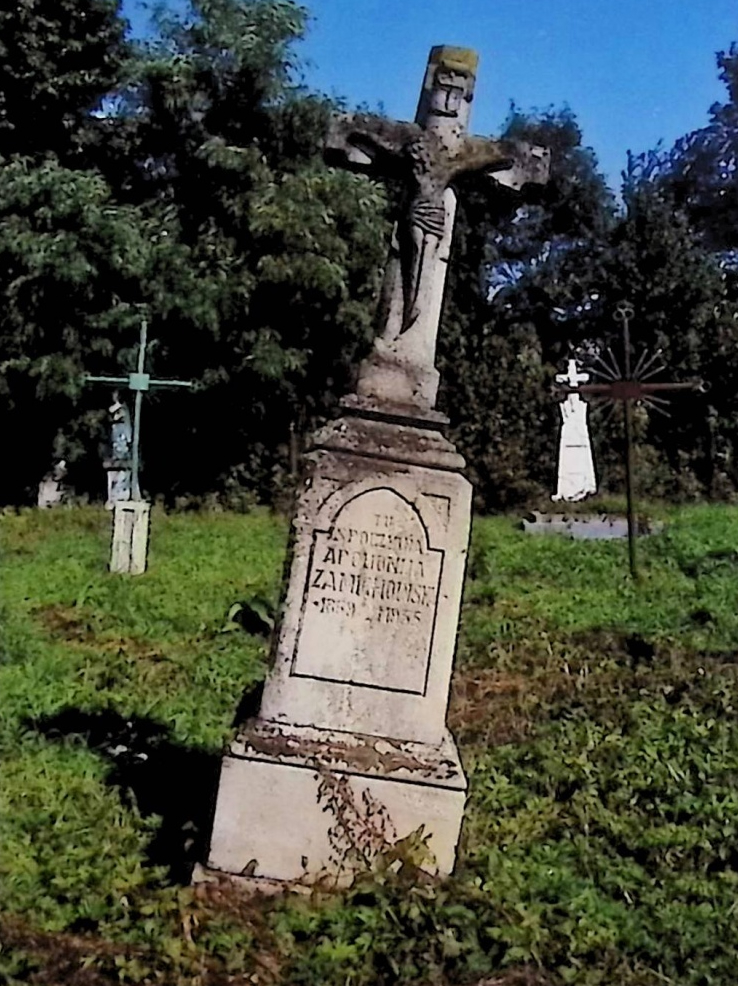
(130, 537)
(386, 376)
(307, 804)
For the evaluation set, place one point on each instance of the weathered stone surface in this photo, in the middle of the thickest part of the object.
(351, 741)
(301, 804)
(130, 545)
(427, 155)
(372, 606)
(350, 751)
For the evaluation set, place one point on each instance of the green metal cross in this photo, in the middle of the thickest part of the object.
(139, 382)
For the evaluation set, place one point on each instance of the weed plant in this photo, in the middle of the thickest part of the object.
(596, 718)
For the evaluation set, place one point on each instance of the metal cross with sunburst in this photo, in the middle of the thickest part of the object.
(630, 385)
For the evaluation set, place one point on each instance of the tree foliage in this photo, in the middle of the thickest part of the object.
(518, 260)
(57, 60)
(183, 178)
(206, 202)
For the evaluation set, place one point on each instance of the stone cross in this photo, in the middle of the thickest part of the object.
(139, 382)
(572, 377)
(350, 751)
(427, 156)
(576, 476)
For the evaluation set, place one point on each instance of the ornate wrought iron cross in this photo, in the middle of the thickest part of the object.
(139, 382)
(630, 385)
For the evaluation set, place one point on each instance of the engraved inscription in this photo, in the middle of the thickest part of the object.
(370, 598)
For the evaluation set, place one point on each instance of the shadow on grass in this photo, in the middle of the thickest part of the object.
(158, 776)
(249, 705)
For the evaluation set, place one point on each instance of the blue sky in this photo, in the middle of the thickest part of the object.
(633, 71)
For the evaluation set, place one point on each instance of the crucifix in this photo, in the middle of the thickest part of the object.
(630, 385)
(427, 156)
(139, 382)
(365, 648)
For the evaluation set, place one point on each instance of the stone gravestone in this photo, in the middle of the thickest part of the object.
(350, 751)
(576, 478)
(51, 490)
(118, 466)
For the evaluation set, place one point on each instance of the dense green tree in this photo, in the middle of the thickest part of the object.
(205, 199)
(519, 262)
(57, 61)
(701, 170)
(680, 293)
(74, 267)
(214, 128)
(553, 271)
(200, 197)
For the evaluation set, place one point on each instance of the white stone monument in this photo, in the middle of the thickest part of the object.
(51, 490)
(129, 550)
(576, 477)
(350, 751)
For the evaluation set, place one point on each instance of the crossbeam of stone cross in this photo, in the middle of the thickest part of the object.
(427, 155)
(138, 381)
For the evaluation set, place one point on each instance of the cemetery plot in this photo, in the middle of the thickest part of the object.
(597, 716)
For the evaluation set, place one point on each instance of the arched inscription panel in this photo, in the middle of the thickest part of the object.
(370, 598)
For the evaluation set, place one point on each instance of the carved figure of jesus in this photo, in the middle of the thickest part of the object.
(427, 156)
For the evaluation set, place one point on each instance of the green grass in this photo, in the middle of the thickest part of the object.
(596, 718)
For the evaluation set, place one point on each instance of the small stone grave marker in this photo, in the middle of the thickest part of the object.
(585, 527)
(51, 490)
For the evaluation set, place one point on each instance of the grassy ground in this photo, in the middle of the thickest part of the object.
(596, 718)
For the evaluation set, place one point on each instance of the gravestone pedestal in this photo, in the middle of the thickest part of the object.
(351, 752)
(130, 545)
(118, 483)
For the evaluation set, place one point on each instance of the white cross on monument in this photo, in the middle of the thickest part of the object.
(576, 466)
